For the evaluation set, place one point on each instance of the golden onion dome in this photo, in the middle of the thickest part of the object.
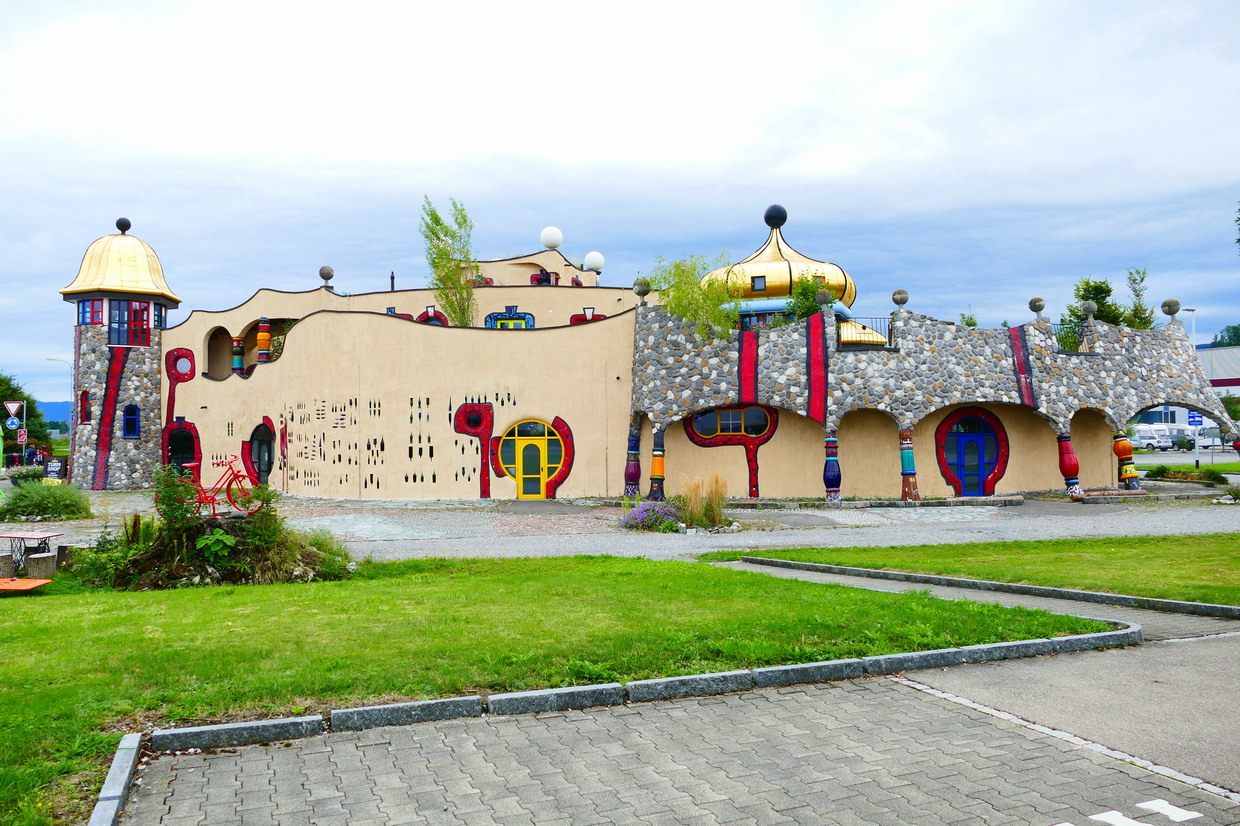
(121, 264)
(771, 271)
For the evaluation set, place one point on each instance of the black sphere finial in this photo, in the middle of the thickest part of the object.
(123, 225)
(776, 216)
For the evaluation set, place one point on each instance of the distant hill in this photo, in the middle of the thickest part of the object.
(56, 411)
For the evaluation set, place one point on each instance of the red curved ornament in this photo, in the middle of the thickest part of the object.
(750, 443)
(565, 433)
(1001, 447)
(480, 430)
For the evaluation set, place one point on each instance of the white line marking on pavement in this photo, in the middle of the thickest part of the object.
(1187, 779)
(1116, 819)
(1195, 639)
(1162, 807)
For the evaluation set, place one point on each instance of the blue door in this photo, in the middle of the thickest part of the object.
(971, 450)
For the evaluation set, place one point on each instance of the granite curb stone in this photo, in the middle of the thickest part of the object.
(116, 787)
(556, 699)
(403, 714)
(1204, 609)
(782, 675)
(236, 734)
(891, 663)
(1007, 650)
(694, 685)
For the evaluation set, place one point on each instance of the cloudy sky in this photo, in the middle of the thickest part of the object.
(974, 153)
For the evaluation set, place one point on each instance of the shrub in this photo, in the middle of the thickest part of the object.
(702, 502)
(49, 501)
(99, 565)
(1213, 476)
(663, 517)
(1157, 472)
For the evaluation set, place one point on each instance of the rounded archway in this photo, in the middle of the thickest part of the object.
(971, 445)
(262, 452)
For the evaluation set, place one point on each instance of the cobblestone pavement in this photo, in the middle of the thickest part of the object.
(856, 752)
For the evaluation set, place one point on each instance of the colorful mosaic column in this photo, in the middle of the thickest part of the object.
(1071, 468)
(264, 340)
(831, 476)
(656, 469)
(1127, 469)
(238, 354)
(908, 469)
(633, 464)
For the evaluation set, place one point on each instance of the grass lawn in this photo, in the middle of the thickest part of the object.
(1195, 568)
(1221, 467)
(81, 667)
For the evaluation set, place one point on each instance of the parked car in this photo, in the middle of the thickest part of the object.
(1152, 441)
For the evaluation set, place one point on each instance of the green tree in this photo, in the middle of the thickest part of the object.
(1138, 315)
(1229, 336)
(450, 257)
(968, 320)
(11, 391)
(710, 306)
(1134, 314)
(803, 299)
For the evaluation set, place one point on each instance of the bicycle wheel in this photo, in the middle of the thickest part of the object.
(186, 499)
(240, 492)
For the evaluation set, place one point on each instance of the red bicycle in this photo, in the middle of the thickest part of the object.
(238, 488)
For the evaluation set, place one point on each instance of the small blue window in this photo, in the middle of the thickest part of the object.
(129, 422)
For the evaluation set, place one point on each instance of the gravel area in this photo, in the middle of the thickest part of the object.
(403, 530)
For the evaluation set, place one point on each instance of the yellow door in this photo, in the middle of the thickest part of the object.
(531, 469)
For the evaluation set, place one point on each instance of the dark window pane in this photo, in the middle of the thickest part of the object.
(529, 429)
(531, 485)
(508, 452)
(706, 424)
(756, 421)
(555, 451)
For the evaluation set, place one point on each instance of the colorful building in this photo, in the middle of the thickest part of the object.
(563, 388)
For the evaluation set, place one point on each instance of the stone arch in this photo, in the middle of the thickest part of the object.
(869, 454)
(1215, 412)
(218, 347)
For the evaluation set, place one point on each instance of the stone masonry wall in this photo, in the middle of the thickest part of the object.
(934, 364)
(130, 461)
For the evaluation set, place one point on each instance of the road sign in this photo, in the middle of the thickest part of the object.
(12, 423)
(1194, 418)
(13, 407)
(21, 436)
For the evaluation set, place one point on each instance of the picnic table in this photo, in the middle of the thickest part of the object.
(15, 584)
(19, 543)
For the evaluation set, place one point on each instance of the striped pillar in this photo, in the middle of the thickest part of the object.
(656, 469)
(1127, 469)
(238, 354)
(264, 340)
(633, 462)
(908, 469)
(1070, 467)
(831, 476)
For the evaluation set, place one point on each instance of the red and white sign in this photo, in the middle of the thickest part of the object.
(21, 436)
(13, 407)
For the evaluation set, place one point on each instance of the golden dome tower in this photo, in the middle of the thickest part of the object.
(122, 303)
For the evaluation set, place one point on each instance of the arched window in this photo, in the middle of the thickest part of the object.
(84, 407)
(130, 428)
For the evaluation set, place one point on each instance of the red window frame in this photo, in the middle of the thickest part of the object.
(140, 323)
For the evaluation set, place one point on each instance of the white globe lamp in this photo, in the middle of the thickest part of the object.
(551, 237)
(593, 261)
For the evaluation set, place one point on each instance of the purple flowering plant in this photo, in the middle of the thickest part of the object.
(663, 517)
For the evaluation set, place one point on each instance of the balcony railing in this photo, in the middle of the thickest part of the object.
(1072, 338)
(865, 332)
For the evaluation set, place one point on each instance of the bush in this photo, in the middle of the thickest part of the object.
(702, 502)
(55, 502)
(1213, 476)
(99, 565)
(1157, 472)
(663, 517)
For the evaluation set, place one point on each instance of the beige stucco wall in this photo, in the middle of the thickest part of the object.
(869, 454)
(517, 271)
(360, 391)
(550, 306)
(1093, 442)
(789, 465)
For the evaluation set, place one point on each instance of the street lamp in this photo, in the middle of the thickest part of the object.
(1193, 341)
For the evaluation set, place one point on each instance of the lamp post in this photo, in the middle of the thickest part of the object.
(1193, 341)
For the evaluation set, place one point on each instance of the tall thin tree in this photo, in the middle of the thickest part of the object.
(450, 257)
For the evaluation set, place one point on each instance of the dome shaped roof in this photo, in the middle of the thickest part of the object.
(121, 264)
(781, 265)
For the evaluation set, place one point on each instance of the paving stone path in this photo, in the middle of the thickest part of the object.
(872, 751)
